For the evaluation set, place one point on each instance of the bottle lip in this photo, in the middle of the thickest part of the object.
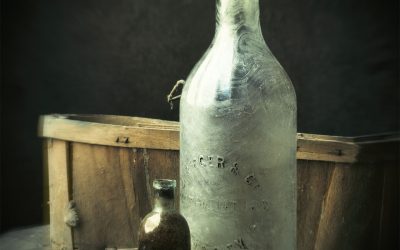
(164, 184)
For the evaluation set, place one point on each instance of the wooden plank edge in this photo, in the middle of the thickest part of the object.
(156, 136)
(108, 134)
(114, 119)
(324, 157)
(378, 138)
(61, 235)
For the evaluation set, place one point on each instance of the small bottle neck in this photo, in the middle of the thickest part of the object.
(164, 200)
(235, 15)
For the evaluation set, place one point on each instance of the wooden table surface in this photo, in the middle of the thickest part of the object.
(32, 238)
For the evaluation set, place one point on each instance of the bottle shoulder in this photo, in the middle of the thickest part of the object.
(242, 71)
(156, 218)
(246, 59)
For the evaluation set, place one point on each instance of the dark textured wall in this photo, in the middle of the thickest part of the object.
(122, 57)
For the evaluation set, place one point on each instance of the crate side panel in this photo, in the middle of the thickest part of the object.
(313, 178)
(104, 195)
(351, 210)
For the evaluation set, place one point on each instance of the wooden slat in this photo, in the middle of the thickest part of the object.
(140, 136)
(60, 233)
(104, 195)
(312, 147)
(142, 183)
(389, 212)
(134, 132)
(119, 120)
(312, 184)
(46, 187)
(375, 138)
(126, 170)
(351, 209)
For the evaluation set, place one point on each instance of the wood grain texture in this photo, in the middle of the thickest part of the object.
(135, 132)
(138, 133)
(141, 179)
(351, 208)
(347, 187)
(58, 161)
(46, 184)
(313, 179)
(104, 196)
(389, 212)
(112, 188)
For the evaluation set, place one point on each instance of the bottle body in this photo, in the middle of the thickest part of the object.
(164, 228)
(238, 140)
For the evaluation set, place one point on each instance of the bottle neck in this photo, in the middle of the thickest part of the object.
(238, 16)
(164, 200)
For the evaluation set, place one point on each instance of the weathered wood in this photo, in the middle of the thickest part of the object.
(134, 132)
(142, 182)
(347, 187)
(127, 171)
(313, 179)
(351, 208)
(112, 189)
(325, 148)
(389, 211)
(104, 196)
(58, 160)
(46, 187)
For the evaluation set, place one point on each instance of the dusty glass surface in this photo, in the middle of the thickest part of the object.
(164, 228)
(238, 140)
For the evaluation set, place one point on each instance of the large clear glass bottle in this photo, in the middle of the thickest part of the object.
(238, 140)
(164, 228)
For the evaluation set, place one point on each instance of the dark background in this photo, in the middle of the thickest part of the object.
(123, 56)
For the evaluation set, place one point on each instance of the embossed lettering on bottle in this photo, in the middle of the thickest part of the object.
(238, 140)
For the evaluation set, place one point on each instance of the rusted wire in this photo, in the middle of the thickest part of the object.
(170, 97)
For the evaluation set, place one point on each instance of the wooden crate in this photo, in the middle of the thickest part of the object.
(348, 189)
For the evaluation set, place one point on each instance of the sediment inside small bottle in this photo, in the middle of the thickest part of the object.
(172, 233)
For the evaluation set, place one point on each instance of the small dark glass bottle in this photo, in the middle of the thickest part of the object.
(164, 228)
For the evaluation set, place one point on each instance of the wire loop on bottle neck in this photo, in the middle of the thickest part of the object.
(171, 97)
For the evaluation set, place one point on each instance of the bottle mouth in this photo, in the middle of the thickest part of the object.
(164, 184)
